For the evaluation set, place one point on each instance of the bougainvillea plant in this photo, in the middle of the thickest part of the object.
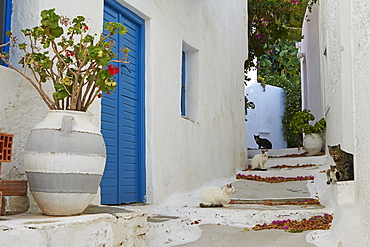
(273, 179)
(271, 20)
(293, 166)
(62, 51)
(269, 203)
(318, 222)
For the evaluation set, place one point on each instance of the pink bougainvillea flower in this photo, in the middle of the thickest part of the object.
(314, 223)
(273, 179)
(113, 69)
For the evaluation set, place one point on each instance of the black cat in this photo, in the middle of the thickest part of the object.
(262, 143)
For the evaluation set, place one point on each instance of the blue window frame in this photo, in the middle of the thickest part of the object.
(183, 85)
(5, 14)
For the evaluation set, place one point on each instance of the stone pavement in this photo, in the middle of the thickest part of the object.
(181, 222)
(234, 236)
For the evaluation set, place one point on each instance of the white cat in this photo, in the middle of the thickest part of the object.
(331, 174)
(258, 161)
(215, 197)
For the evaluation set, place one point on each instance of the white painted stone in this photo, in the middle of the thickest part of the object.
(14, 205)
(343, 192)
(103, 229)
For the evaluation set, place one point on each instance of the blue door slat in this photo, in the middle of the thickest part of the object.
(123, 115)
(131, 152)
(129, 145)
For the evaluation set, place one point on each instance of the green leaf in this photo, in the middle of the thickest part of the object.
(22, 46)
(122, 31)
(56, 32)
(58, 86)
(61, 94)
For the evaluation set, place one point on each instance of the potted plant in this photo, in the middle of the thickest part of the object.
(312, 140)
(65, 154)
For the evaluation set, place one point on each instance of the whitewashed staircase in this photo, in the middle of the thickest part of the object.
(175, 222)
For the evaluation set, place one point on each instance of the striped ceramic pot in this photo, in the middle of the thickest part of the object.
(64, 161)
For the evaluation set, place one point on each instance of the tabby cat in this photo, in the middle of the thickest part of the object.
(262, 143)
(343, 161)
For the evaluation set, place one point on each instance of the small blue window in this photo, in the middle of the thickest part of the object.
(189, 82)
(183, 85)
(5, 14)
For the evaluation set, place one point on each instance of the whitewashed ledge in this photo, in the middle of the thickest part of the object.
(97, 226)
(343, 192)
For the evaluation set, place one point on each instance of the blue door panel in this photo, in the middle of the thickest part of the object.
(123, 115)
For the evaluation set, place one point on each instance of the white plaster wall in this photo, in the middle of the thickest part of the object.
(336, 70)
(310, 71)
(360, 14)
(345, 35)
(331, 63)
(183, 154)
(265, 119)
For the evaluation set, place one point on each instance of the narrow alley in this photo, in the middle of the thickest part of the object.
(181, 222)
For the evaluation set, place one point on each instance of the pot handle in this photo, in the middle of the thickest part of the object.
(66, 128)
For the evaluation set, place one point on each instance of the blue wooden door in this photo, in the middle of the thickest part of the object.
(122, 121)
(5, 14)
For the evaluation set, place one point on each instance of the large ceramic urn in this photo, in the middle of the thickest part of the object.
(64, 161)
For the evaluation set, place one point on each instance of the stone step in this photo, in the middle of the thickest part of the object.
(166, 229)
(177, 221)
(277, 152)
(319, 160)
(175, 231)
(97, 226)
(254, 190)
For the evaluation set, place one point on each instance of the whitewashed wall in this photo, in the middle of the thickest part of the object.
(337, 93)
(312, 97)
(182, 154)
(344, 38)
(265, 119)
(360, 63)
(327, 76)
